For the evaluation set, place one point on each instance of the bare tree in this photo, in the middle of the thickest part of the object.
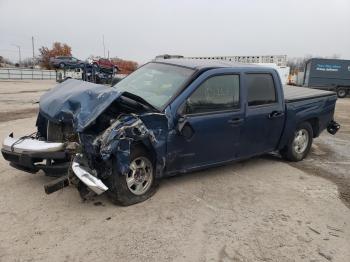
(27, 62)
(58, 49)
(4, 62)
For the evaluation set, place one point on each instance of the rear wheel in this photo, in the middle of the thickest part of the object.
(342, 92)
(138, 184)
(299, 145)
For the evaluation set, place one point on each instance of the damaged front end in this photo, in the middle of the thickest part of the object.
(96, 128)
(108, 153)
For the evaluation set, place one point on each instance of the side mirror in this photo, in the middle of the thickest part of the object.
(184, 128)
(181, 122)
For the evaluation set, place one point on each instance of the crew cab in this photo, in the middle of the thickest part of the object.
(168, 117)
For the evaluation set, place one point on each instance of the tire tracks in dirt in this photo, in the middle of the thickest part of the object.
(18, 114)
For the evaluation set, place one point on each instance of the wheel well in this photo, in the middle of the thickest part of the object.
(148, 150)
(346, 88)
(315, 126)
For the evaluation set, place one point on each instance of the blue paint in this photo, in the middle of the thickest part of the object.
(214, 139)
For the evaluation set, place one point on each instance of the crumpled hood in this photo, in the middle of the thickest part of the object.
(77, 101)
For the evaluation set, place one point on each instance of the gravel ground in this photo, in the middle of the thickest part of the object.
(19, 99)
(262, 209)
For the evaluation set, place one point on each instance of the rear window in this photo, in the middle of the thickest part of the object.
(261, 89)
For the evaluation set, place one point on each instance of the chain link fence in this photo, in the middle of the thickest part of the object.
(24, 73)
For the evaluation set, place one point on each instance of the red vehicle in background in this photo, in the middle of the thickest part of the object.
(104, 63)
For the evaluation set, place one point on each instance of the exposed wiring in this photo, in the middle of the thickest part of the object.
(21, 139)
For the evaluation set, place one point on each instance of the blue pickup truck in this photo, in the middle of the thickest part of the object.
(168, 117)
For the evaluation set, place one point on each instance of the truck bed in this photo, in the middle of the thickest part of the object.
(295, 93)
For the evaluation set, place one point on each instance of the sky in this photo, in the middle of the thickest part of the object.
(139, 30)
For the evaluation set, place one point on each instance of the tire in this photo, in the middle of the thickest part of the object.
(61, 65)
(120, 193)
(297, 148)
(342, 92)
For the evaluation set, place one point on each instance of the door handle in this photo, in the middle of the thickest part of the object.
(235, 121)
(275, 114)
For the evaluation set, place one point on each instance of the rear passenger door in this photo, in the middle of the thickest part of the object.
(264, 118)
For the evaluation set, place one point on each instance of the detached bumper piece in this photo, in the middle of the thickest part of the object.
(28, 154)
(333, 127)
(92, 182)
(56, 184)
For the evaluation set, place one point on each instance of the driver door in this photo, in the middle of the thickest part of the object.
(210, 123)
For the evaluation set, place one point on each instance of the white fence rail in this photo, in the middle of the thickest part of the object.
(24, 73)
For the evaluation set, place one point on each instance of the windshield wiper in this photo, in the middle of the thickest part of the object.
(140, 100)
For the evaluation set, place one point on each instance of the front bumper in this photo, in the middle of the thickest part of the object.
(87, 178)
(29, 154)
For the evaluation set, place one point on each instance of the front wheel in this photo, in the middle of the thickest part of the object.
(299, 145)
(138, 184)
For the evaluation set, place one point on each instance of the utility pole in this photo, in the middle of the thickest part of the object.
(33, 51)
(19, 54)
(104, 47)
(108, 54)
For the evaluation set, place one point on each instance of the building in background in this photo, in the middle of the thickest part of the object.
(283, 71)
(279, 60)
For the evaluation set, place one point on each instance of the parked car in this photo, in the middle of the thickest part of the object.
(168, 117)
(328, 74)
(65, 61)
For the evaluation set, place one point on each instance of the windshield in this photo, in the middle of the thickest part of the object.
(156, 83)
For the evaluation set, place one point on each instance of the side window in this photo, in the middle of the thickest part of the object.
(260, 89)
(215, 94)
